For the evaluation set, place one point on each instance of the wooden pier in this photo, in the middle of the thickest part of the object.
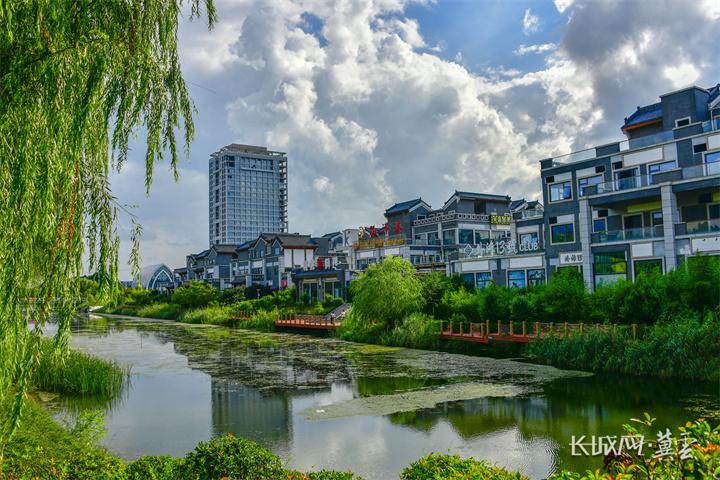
(314, 322)
(517, 332)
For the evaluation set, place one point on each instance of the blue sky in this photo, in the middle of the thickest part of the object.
(378, 101)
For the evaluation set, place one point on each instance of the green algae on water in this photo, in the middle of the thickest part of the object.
(410, 401)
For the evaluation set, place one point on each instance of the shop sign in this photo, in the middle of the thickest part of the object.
(499, 248)
(570, 258)
(500, 219)
(378, 243)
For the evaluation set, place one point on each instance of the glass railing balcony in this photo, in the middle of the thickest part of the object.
(711, 125)
(620, 184)
(694, 228)
(627, 234)
(531, 213)
(648, 140)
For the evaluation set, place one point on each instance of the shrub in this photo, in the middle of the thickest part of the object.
(232, 457)
(330, 303)
(522, 309)
(231, 295)
(387, 292)
(563, 299)
(161, 467)
(494, 303)
(195, 294)
(357, 329)
(215, 315)
(463, 302)
(165, 311)
(417, 330)
(437, 466)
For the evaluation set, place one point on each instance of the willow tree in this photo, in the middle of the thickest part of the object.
(78, 78)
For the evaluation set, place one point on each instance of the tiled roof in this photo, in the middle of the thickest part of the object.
(224, 248)
(403, 206)
(644, 114)
(516, 203)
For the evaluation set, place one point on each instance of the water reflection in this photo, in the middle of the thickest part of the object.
(192, 382)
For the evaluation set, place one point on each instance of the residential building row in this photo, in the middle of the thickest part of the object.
(612, 211)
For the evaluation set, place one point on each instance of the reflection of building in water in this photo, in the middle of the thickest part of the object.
(246, 412)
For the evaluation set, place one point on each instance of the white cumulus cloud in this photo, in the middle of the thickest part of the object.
(530, 22)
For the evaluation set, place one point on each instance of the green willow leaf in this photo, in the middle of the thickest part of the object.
(77, 79)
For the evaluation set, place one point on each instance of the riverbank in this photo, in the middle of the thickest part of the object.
(279, 377)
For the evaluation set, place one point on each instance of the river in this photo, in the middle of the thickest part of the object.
(325, 403)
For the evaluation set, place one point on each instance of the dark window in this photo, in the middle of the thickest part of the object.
(682, 122)
(465, 237)
(600, 169)
(699, 148)
(562, 233)
(588, 181)
(656, 218)
(536, 277)
(600, 225)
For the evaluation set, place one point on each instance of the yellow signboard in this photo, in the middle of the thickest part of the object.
(378, 243)
(500, 219)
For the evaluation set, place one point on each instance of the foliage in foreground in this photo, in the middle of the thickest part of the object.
(436, 466)
(688, 346)
(77, 79)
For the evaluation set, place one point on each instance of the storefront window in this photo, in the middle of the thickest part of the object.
(466, 237)
(536, 277)
(609, 268)
(483, 279)
(448, 237)
(516, 279)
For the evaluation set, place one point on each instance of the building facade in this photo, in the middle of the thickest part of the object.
(247, 193)
(644, 203)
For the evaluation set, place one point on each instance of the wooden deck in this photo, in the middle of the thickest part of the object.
(516, 332)
(314, 322)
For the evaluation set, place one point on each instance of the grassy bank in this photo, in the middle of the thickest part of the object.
(688, 346)
(75, 373)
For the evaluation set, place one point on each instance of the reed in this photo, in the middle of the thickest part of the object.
(75, 373)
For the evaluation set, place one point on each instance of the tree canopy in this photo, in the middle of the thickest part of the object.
(77, 79)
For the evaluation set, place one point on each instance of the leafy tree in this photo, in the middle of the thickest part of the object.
(195, 294)
(76, 81)
(564, 298)
(386, 292)
(494, 303)
(232, 295)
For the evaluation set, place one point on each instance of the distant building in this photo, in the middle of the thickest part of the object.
(247, 192)
(156, 277)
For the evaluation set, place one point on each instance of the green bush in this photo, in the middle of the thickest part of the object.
(494, 303)
(161, 467)
(232, 295)
(165, 311)
(417, 330)
(232, 457)
(463, 302)
(214, 314)
(195, 294)
(436, 466)
(356, 328)
(522, 309)
(563, 299)
(330, 303)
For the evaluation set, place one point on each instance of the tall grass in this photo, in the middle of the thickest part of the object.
(688, 346)
(261, 321)
(216, 315)
(165, 311)
(75, 373)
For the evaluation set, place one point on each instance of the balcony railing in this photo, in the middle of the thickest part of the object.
(699, 227)
(531, 213)
(627, 234)
(648, 140)
(639, 181)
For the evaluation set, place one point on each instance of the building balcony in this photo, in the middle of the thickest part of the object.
(627, 235)
(698, 228)
(641, 181)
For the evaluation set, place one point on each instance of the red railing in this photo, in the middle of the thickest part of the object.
(520, 332)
